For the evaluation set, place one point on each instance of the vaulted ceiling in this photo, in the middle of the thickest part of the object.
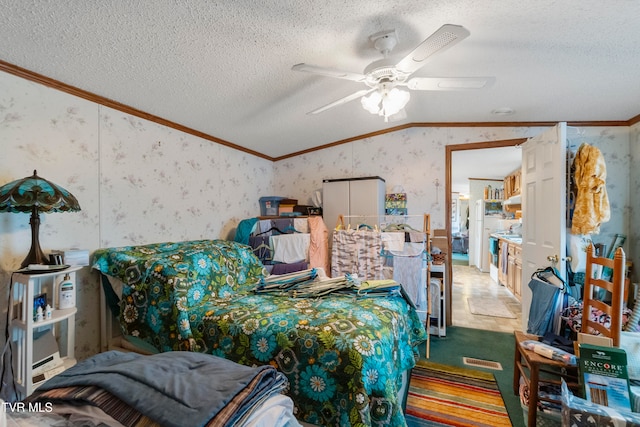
(224, 68)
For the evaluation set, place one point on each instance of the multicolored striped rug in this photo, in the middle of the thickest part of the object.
(442, 395)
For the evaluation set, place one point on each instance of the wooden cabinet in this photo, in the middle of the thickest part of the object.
(517, 178)
(511, 268)
(512, 184)
(510, 275)
(517, 277)
(514, 270)
(508, 186)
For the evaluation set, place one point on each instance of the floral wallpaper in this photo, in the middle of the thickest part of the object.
(159, 184)
(415, 160)
(140, 182)
(136, 182)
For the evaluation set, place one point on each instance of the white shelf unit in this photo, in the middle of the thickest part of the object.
(438, 322)
(25, 288)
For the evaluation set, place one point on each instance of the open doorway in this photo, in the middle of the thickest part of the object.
(490, 161)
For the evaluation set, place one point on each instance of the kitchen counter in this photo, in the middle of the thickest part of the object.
(510, 238)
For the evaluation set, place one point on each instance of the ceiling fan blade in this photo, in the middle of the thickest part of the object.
(450, 83)
(344, 100)
(329, 72)
(446, 36)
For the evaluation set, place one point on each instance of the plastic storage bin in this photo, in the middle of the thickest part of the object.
(269, 206)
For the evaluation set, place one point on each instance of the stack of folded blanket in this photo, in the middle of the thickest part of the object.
(167, 388)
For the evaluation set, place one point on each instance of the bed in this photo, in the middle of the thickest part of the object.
(346, 357)
(165, 389)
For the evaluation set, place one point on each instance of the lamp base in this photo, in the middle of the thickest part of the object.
(35, 256)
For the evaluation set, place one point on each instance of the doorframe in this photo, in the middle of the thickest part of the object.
(449, 149)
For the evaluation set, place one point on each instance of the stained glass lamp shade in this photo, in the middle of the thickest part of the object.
(34, 194)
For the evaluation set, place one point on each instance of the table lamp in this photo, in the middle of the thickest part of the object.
(34, 194)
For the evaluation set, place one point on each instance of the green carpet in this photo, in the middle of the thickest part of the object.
(486, 345)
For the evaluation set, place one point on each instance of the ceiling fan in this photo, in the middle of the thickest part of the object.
(383, 78)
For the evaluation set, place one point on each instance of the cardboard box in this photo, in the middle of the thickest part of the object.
(286, 206)
(440, 243)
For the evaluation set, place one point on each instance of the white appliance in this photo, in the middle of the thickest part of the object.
(478, 233)
(352, 196)
(484, 226)
(491, 224)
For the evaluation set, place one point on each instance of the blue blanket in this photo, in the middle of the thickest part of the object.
(175, 386)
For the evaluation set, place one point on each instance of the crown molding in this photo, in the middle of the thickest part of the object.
(101, 100)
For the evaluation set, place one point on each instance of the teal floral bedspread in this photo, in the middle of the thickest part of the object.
(343, 355)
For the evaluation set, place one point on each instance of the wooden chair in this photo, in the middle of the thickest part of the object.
(614, 287)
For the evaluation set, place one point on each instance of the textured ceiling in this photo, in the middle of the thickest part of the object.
(224, 68)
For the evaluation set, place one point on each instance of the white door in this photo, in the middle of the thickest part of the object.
(543, 207)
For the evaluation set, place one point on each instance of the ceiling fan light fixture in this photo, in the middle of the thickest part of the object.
(371, 102)
(384, 76)
(385, 103)
(394, 101)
